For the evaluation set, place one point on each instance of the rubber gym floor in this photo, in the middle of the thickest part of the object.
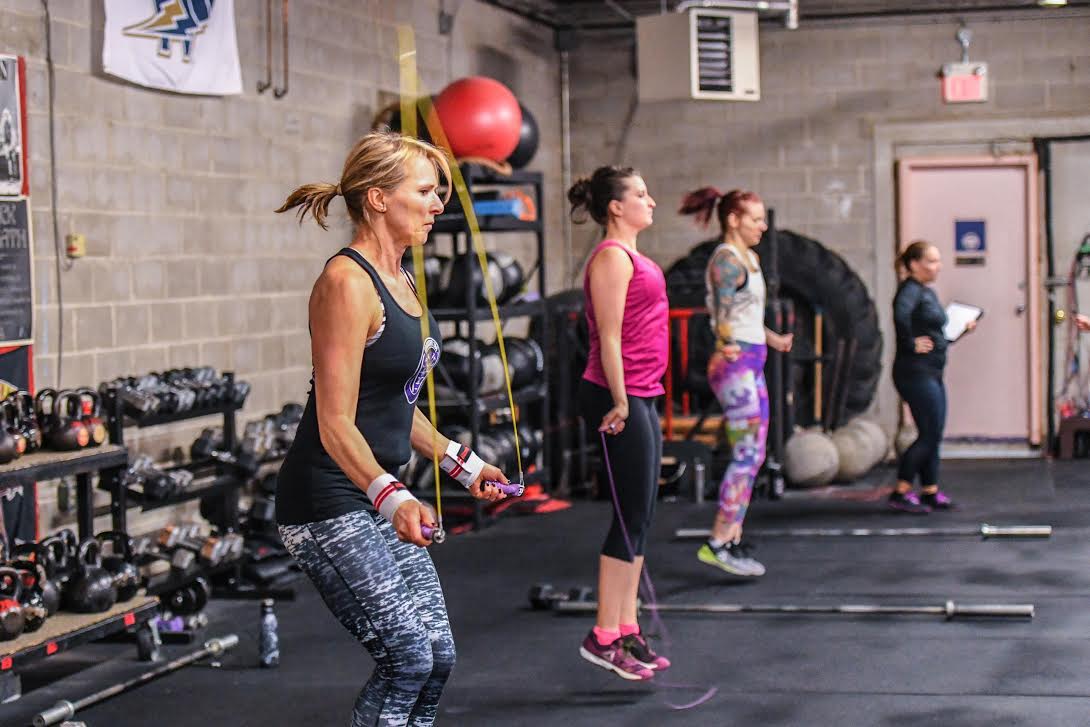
(521, 667)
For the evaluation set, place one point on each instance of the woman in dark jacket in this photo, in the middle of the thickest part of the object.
(917, 373)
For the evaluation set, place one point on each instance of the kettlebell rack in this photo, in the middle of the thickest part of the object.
(64, 631)
(531, 400)
(109, 460)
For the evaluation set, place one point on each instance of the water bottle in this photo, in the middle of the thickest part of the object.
(269, 645)
(698, 482)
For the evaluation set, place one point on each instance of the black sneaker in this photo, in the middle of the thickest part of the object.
(937, 500)
(907, 502)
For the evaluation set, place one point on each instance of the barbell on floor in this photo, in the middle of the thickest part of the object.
(950, 610)
(984, 531)
(64, 709)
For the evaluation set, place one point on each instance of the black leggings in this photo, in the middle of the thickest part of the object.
(635, 456)
(926, 398)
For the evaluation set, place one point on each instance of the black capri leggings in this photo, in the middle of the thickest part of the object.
(926, 398)
(635, 455)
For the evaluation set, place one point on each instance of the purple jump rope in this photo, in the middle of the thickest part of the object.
(649, 587)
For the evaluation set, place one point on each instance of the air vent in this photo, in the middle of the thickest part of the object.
(700, 54)
(713, 53)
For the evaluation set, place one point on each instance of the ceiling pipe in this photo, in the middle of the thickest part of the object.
(789, 8)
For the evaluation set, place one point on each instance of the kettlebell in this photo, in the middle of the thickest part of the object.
(12, 441)
(91, 587)
(12, 620)
(90, 409)
(60, 430)
(32, 575)
(119, 563)
(28, 422)
(42, 555)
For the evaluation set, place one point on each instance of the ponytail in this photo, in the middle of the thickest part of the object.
(700, 203)
(312, 198)
(593, 194)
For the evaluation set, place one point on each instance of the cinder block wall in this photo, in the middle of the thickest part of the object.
(807, 145)
(186, 262)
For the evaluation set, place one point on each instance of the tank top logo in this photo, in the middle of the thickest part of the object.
(429, 356)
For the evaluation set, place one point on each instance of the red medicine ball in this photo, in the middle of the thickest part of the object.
(481, 118)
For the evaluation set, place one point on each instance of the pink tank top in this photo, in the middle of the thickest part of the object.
(645, 330)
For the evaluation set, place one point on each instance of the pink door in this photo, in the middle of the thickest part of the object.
(978, 212)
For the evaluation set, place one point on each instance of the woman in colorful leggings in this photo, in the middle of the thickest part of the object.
(355, 530)
(736, 305)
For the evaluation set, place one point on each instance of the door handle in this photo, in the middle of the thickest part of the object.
(1019, 309)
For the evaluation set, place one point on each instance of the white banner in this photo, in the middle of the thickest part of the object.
(186, 46)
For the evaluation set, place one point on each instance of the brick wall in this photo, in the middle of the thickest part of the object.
(186, 263)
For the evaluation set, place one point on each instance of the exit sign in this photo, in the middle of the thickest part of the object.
(964, 82)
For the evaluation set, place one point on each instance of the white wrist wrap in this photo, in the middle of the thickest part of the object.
(461, 463)
(387, 494)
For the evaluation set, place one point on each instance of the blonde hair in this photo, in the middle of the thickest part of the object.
(378, 159)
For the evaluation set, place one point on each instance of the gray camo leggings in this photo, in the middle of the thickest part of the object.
(387, 594)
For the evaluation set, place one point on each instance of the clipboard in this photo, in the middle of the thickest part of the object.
(958, 317)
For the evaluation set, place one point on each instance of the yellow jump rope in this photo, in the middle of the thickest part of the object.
(411, 97)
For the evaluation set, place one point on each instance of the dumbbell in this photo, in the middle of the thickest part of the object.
(209, 445)
(262, 512)
(135, 402)
(154, 482)
(210, 549)
(544, 597)
(148, 547)
(189, 599)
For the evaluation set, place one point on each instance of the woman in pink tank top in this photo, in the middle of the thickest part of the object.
(628, 319)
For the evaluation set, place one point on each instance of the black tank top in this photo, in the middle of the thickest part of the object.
(311, 486)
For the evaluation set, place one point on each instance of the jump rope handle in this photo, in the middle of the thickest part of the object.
(511, 489)
(434, 534)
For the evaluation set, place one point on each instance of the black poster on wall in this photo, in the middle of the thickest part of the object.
(17, 504)
(16, 273)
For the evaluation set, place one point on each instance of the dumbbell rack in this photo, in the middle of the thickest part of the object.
(466, 318)
(226, 484)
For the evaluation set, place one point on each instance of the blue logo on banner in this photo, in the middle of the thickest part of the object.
(969, 237)
(174, 21)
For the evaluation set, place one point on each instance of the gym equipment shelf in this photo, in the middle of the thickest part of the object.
(108, 460)
(169, 580)
(228, 480)
(484, 313)
(490, 223)
(63, 631)
(48, 465)
(119, 495)
(155, 420)
(526, 395)
(219, 485)
(534, 399)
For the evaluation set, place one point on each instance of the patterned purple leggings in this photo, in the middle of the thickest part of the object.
(740, 388)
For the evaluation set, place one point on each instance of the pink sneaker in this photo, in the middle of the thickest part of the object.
(614, 657)
(641, 651)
